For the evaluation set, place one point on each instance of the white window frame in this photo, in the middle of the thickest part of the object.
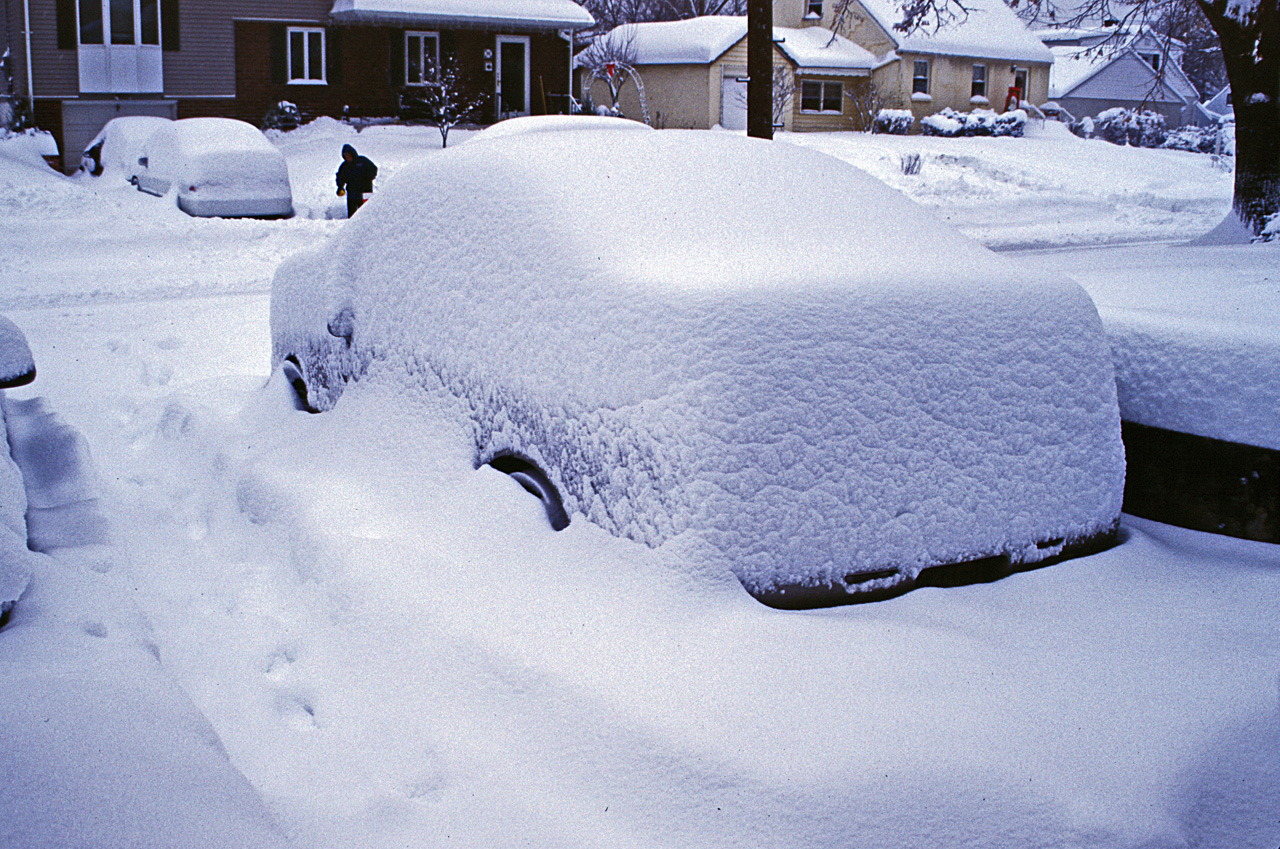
(916, 77)
(822, 97)
(1152, 59)
(422, 36)
(974, 90)
(119, 67)
(307, 78)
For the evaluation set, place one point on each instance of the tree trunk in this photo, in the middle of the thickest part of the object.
(760, 69)
(1251, 52)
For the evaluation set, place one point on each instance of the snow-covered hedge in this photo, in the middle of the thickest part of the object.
(1124, 126)
(691, 370)
(980, 122)
(895, 122)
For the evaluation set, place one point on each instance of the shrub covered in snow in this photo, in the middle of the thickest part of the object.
(706, 379)
(896, 122)
(980, 122)
(1128, 126)
(283, 116)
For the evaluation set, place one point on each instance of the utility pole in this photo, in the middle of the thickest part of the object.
(760, 69)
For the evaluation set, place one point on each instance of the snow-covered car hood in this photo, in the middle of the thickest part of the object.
(748, 343)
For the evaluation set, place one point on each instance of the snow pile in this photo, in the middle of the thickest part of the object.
(101, 746)
(810, 409)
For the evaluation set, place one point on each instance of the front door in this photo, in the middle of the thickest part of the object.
(512, 74)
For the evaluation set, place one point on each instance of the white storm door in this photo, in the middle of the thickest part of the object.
(512, 73)
(733, 103)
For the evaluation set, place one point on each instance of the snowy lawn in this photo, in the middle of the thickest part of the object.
(395, 650)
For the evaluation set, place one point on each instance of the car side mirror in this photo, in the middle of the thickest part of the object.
(142, 160)
(343, 325)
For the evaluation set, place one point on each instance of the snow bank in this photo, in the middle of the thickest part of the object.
(101, 746)
(632, 311)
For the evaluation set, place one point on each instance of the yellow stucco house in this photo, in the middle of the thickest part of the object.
(694, 73)
(969, 63)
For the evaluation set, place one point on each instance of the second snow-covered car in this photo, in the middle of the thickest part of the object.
(119, 144)
(749, 353)
(216, 167)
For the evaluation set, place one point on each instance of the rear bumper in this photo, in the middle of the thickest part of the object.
(277, 207)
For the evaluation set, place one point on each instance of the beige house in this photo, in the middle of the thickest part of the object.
(692, 75)
(972, 63)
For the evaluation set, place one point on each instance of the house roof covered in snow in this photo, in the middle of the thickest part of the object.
(535, 14)
(990, 31)
(812, 49)
(700, 41)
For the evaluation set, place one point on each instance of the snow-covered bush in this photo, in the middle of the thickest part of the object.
(283, 116)
(1127, 126)
(981, 122)
(894, 122)
(1193, 139)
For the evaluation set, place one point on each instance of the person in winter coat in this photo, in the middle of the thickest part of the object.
(355, 178)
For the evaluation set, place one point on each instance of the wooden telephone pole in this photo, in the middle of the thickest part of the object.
(760, 69)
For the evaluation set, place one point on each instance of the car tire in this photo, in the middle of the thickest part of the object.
(293, 373)
(536, 482)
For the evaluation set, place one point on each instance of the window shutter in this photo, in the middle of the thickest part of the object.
(333, 56)
(396, 65)
(279, 54)
(66, 12)
(169, 25)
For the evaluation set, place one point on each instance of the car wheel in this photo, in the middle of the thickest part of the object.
(293, 373)
(536, 482)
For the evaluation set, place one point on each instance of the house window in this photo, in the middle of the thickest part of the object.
(1152, 59)
(815, 9)
(819, 96)
(421, 57)
(91, 21)
(306, 55)
(920, 81)
(979, 88)
(1020, 81)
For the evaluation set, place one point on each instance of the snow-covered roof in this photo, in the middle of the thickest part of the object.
(697, 41)
(991, 30)
(1220, 104)
(812, 49)
(538, 14)
(700, 41)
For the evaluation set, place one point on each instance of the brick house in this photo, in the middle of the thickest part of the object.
(79, 63)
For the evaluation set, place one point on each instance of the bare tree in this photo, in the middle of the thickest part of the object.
(867, 102)
(611, 59)
(446, 101)
(1248, 32)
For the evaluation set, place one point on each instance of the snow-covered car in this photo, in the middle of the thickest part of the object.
(748, 353)
(216, 167)
(119, 144)
(17, 368)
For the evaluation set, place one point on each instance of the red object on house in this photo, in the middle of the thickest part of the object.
(1014, 97)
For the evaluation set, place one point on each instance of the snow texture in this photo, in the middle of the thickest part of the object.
(123, 140)
(15, 569)
(990, 30)
(809, 409)
(553, 13)
(16, 362)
